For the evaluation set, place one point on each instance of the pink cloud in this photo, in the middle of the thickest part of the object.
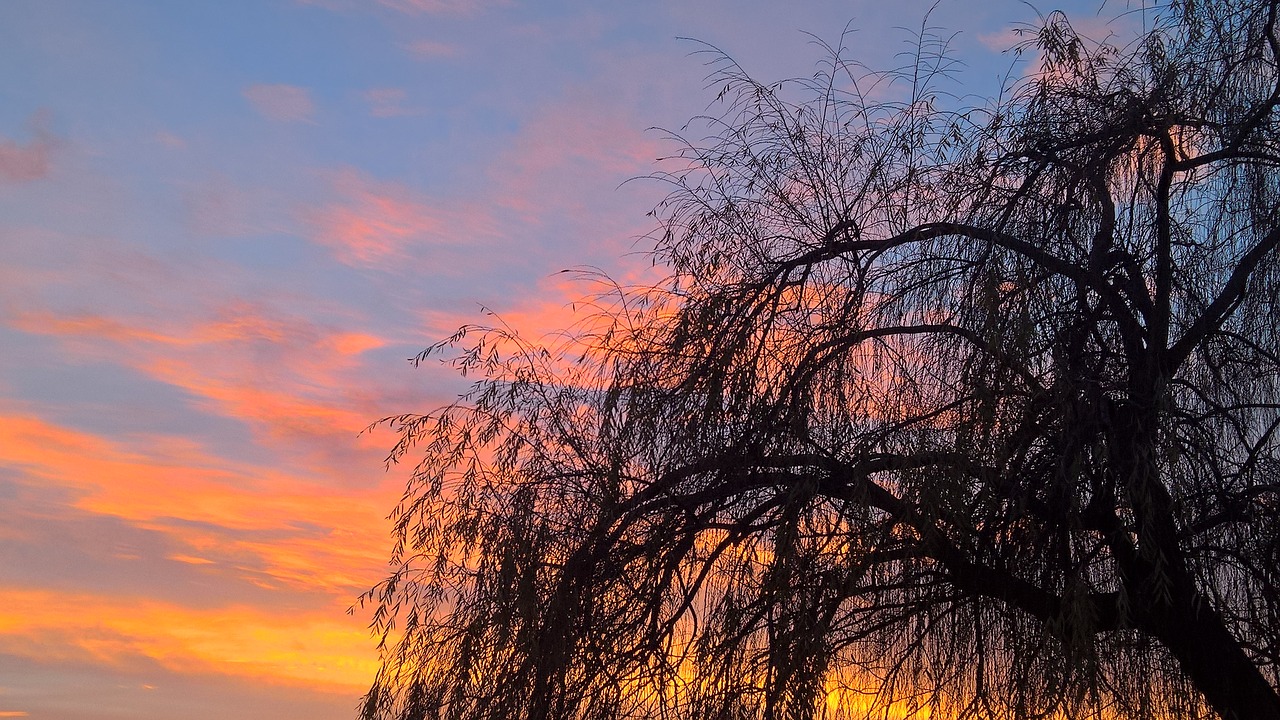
(1102, 28)
(411, 7)
(24, 163)
(168, 139)
(439, 7)
(373, 223)
(430, 49)
(387, 102)
(292, 380)
(282, 103)
(1000, 40)
(302, 375)
(591, 149)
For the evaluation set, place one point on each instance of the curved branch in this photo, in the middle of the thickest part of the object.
(1134, 334)
(1224, 304)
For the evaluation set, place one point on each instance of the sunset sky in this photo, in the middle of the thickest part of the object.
(225, 226)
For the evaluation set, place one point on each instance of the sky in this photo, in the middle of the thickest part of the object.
(226, 226)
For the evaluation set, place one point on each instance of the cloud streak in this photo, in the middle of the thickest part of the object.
(372, 223)
(322, 650)
(288, 378)
(427, 49)
(440, 7)
(387, 102)
(281, 103)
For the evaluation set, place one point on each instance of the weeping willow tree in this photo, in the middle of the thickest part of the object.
(969, 413)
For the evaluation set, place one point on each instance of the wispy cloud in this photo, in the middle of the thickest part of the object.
(440, 7)
(388, 102)
(592, 151)
(1021, 38)
(32, 160)
(431, 49)
(411, 7)
(373, 223)
(170, 140)
(284, 375)
(281, 103)
(216, 205)
(1001, 40)
(255, 525)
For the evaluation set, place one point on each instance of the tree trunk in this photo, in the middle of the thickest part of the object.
(1183, 620)
(1213, 659)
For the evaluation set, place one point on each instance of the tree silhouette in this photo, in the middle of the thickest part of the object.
(970, 412)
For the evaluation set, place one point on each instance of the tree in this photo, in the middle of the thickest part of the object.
(970, 412)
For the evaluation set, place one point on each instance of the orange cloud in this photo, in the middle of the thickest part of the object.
(286, 375)
(322, 649)
(95, 326)
(312, 547)
(322, 539)
(282, 103)
(25, 163)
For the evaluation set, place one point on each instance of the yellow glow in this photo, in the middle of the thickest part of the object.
(323, 649)
(324, 547)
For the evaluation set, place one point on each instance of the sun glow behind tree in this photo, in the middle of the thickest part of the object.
(971, 408)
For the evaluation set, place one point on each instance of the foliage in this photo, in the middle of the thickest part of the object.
(970, 412)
